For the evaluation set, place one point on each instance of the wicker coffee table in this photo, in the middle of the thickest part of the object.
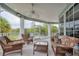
(40, 46)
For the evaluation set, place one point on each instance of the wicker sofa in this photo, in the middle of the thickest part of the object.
(66, 45)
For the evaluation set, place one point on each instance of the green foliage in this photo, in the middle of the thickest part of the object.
(16, 30)
(38, 29)
(4, 26)
(44, 29)
(54, 29)
(13, 35)
(29, 30)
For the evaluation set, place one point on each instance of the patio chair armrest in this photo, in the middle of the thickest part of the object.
(64, 47)
(16, 42)
(7, 46)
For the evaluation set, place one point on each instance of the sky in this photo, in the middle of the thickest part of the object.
(14, 20)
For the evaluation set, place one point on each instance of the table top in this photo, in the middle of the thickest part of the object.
(41, 43)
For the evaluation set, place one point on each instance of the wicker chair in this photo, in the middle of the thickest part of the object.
(9, 46)
(27, 38)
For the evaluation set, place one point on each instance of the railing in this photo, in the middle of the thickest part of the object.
(4, 34)
(15, 36)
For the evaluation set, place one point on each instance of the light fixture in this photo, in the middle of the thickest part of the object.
(33, 13)
(18, 14)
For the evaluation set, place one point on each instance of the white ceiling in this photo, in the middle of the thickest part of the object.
(47, 11)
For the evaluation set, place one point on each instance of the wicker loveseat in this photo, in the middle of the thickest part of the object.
(66, 45)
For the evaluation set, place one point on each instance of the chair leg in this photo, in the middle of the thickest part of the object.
(47, 50)
(47, 54)
(33, 50)
(3, 53)
(21, 51)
